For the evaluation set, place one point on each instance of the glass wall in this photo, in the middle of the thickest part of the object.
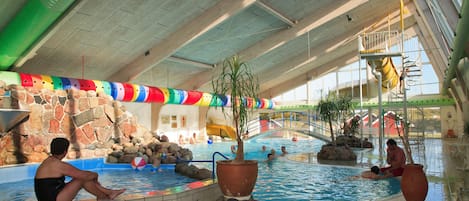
(422, 79)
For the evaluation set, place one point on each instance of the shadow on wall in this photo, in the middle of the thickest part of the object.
(10, 121)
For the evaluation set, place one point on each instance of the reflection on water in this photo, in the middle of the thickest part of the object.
(298, 176)
(136, 182)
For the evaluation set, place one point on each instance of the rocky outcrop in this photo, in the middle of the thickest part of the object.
(93, 122)
(336, 153)
(96, 125)
(157, 153)
(353, 141)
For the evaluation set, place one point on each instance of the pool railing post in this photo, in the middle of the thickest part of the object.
(213, 162)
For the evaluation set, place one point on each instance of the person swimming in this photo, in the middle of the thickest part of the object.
(270, 157)
(234, 149)
(373, 173)
(294, 139)
(284, 151)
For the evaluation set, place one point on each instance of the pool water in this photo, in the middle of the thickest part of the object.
(136, 182)
(281, 179)
(285, 179)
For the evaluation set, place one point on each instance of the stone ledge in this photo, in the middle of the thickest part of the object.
(210, 192)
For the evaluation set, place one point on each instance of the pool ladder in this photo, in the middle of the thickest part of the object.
(209, 161)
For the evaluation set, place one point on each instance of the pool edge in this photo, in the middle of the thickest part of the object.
(206, 190)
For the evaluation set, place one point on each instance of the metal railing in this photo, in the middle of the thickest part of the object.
(380, 42)
(207, 161)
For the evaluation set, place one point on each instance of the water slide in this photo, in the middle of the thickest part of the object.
(221, 130)
(390, 76)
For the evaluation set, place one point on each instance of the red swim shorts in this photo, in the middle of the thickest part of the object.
(396, 172)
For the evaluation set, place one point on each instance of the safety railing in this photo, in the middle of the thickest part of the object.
(207, 161)
(380, 42)
(213, 162)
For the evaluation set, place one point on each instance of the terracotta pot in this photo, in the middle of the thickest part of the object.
(237, 180)
(414, 184)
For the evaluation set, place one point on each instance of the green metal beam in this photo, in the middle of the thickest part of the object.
(460, 41)
(27, 26)
(424, 102)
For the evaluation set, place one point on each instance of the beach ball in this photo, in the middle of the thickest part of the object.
(138, 163)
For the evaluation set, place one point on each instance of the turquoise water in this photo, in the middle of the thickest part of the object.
(281, 179)
(136, 182)
(285, 179)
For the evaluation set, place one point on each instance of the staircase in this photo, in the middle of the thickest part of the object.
(413, 77)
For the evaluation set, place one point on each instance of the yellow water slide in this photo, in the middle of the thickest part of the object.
(390, 76)
(221, 130)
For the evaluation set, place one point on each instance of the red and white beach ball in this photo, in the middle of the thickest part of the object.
(138, 163)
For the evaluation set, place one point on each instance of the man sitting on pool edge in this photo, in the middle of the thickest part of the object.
(395, 158)
(49, 181)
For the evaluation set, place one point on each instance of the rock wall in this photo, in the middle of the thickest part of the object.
(93, 122)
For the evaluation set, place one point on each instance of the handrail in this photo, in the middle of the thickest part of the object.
(213, 162)
(207, 161)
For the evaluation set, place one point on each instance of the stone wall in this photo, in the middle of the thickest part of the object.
(93, 122)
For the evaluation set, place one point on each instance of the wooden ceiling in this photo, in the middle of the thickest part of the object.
(181, 43)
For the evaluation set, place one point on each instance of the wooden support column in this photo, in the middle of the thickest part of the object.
(155, 115)
(203, 120)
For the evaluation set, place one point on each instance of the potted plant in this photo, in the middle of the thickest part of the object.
(414, 183)
(237, 177)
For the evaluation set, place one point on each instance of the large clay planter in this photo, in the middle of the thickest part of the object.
(237, 180)
(414, 184)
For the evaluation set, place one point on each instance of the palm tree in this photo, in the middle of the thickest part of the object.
(345, 108)
(328, 111)
(332, 109)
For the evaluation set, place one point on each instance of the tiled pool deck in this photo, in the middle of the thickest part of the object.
(445, 164)
(201, 191)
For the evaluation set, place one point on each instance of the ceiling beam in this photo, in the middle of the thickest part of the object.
(276, 13)
(293, 66)
(342, 58)
(31, 51)
(436, 49)
(308, 23)
(297, 81)
(319, 63)
(190, 62)
(187, 33)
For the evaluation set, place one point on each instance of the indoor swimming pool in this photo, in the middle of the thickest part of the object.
(285, 178)
(144, 182)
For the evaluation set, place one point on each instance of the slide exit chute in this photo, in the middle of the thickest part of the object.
(221, 130)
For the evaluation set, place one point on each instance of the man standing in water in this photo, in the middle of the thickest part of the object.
(49, 182)
(395, 158)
